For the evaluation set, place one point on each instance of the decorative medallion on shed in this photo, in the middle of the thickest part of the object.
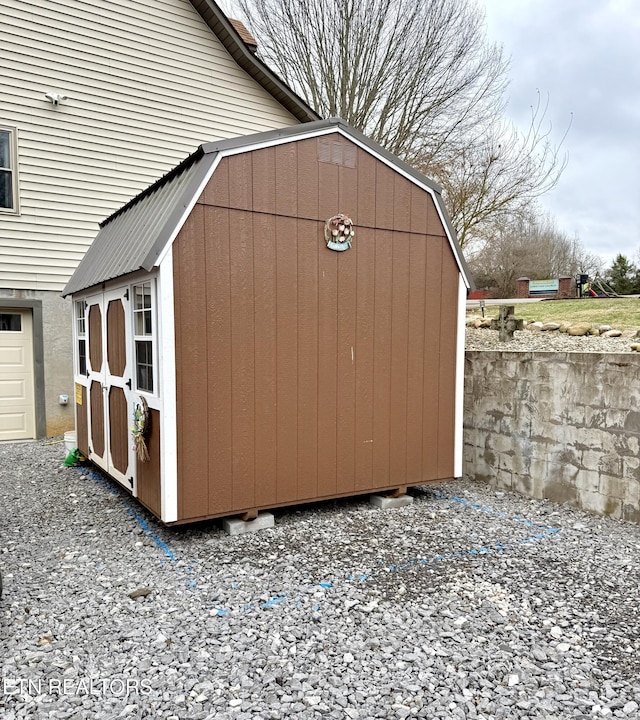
(339, 232)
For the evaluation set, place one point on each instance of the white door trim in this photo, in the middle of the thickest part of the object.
(119, 294)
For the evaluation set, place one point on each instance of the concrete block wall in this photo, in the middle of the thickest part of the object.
(563, 426)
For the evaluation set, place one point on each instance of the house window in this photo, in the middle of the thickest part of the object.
(143, 335)
(81, 330)
(8, 174)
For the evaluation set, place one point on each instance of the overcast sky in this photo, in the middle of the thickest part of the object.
(584, 55)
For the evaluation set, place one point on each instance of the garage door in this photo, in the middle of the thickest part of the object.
(17, 407)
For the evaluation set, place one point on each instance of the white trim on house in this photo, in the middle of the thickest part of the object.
(459, 402)
(80, 321)
(111, 380)
(144, 336)
(167, 389)
(13, 169)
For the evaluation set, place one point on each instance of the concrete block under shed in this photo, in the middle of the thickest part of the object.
(380, 501)
(236, 526)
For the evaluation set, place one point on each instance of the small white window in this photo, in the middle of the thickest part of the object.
(143, 335)
(8, 171)
(81, 331)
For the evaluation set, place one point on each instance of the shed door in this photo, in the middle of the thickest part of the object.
(109, 381)
(17, 405)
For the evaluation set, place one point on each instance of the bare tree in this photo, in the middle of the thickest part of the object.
(533, 247)
(417, 76)
(572, 258)
(499, 176)
(420, 78)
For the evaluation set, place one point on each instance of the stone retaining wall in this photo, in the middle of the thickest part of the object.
(563, 426)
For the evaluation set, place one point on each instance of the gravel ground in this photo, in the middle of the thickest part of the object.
(468, 604)
(531, 341)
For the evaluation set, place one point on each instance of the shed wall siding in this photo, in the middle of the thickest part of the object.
(148, 473)
(304, 373)
(147, 82)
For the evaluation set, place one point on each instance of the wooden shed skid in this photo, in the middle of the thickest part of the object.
(297, 503)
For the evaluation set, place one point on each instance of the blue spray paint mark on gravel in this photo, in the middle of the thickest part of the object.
(132, 511)
(303, 593)
(544, 531)
(274, 600)
(106, 484)
(150, 533)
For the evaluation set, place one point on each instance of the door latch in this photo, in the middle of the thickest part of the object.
(128, 383)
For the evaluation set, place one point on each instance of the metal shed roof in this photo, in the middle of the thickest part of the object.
(134, 237)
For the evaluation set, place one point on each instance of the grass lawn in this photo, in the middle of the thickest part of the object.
(620, 313)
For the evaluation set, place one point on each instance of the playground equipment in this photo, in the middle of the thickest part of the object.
(585, 287)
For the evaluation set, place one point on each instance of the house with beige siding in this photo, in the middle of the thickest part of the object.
(98, 101)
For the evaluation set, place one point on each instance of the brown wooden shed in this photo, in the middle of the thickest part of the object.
(276, 369)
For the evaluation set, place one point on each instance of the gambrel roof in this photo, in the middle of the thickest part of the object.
(136, 236)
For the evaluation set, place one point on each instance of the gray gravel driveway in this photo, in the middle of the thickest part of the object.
(467, 604)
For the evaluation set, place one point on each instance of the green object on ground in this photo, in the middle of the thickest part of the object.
(73, 458)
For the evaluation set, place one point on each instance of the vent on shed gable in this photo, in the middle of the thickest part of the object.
(336, 153)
